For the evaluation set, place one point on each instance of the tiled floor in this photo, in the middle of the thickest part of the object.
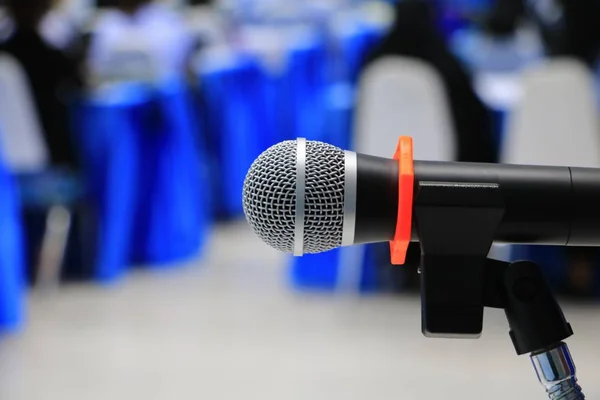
(230, 328)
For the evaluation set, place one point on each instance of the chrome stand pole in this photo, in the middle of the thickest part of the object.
(556, 371)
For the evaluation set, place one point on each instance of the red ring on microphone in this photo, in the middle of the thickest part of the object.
(406, 179)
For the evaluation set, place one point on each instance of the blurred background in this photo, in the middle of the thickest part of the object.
(127, 270)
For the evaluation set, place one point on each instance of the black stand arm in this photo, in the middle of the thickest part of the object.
(458, 281)
(537, 324)
(534, 316)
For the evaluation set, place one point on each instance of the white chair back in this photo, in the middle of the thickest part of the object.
(402, 96)
(557, 120)
(398, 96)
(21, 139)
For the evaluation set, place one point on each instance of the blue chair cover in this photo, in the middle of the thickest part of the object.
(107, 138)
(12, 262)
(321, 271)
(315, 271)
(339, 119)
(171, 219)
(239, 128)
(305, 84)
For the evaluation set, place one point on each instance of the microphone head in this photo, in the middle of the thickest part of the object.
(269, 196)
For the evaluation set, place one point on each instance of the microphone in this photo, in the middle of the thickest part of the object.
(305, 197)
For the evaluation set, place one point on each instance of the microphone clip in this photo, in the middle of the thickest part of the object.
(456, 224)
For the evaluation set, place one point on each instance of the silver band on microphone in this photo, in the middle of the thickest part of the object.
(350, 184)
(300, 192)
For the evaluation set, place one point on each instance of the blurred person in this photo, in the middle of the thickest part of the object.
(147, 26)
(414, 34)
(52, 75)
(6, 25)
(59, 28)
(569, 28)
(505, 17)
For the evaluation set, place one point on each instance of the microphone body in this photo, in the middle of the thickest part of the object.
(308, 197)
(543, 205)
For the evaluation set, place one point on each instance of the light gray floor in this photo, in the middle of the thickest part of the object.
(230, 328)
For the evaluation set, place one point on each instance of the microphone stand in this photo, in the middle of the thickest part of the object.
(456, 224)
(537, 323)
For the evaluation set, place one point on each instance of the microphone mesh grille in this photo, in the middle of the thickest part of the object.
(270, 196)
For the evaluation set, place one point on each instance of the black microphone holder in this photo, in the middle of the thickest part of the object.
(456, 225)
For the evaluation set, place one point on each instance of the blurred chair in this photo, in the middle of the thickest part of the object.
(22, 138)
(107, 139)
(171, 218)
(12, 262)
(555, 124)
(145, 172)
(401, 96)
(397, 96)
(27, 156)
(239, 122)
(305, 85)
